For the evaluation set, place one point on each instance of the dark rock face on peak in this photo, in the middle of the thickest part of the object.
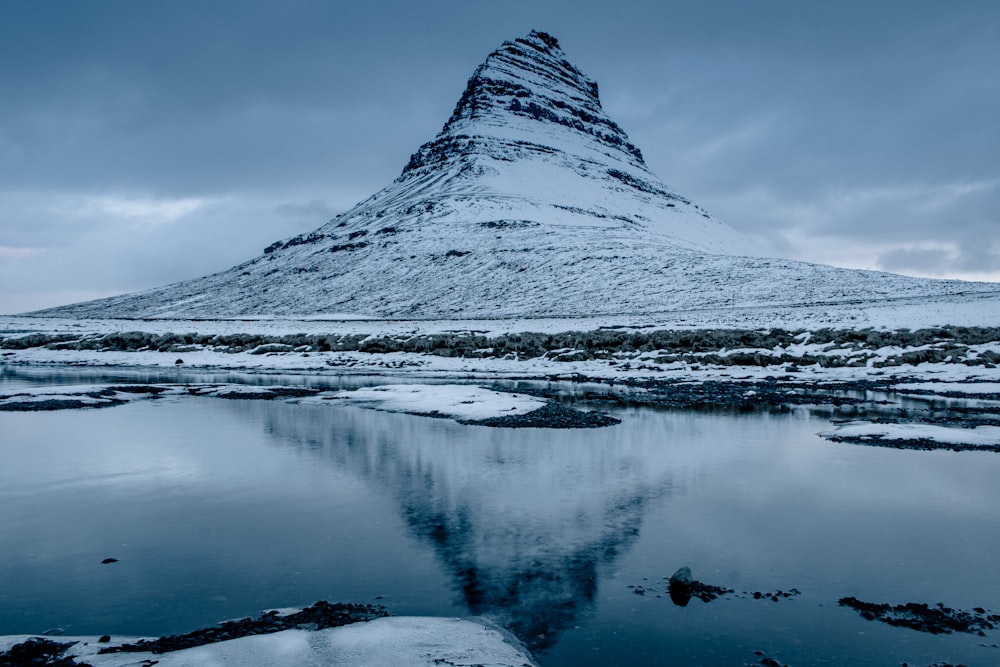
(528, 79)
(531, 201)
(529, 70)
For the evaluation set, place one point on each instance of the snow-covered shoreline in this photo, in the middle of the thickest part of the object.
(553, 349)
(394, 640)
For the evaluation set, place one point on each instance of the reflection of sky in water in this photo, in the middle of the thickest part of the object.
(219, 508)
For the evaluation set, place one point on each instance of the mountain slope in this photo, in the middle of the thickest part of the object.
(530, 201)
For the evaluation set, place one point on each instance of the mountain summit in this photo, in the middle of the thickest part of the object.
(527, 89)
(531, 201)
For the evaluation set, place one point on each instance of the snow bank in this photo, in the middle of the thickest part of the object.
(388, 642)
(979, 436)
(463, 402)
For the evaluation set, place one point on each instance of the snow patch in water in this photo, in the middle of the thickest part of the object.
(446, 400)
(977, 436)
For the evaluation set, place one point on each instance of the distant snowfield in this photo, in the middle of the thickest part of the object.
(980, 308)
(384, 642)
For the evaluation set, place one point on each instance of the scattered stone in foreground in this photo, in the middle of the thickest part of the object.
(683, 587)
(551, 415)
(768, 661)
(319, 616)
(774, 596)
(37, 651)
(925, 618)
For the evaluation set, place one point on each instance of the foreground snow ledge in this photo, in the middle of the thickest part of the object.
(389, 642)
(457, 401)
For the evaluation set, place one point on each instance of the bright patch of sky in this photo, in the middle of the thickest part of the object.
(146, 143)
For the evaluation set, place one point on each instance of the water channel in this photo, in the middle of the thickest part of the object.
(218, 509)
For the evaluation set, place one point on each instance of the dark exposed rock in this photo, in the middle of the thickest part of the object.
(37, 651)
(682, 587)
(302, 239)
(924, 444)
(936, 620)
(138, 389)
(319, 616)
(551, 415)
(349, 246)
(268, 393)
(56, 404)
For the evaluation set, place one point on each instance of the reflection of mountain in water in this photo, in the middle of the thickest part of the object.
(522, 518)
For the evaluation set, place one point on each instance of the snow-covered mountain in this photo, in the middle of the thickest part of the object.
(531, 201)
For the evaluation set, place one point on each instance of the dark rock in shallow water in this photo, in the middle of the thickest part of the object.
(682, 577)
(551, 415)
(707, 592)
(683, 587)
(680, 586)
(923, 444)
(268, 393)
(56, 404)
(936, 620)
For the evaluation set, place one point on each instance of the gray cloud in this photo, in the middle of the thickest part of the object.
(857, 133)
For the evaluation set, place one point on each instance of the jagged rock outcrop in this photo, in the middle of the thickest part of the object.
(531, 201)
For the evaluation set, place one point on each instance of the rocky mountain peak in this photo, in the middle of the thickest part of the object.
(528, 87)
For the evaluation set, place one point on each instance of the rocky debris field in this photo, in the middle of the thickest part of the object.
(551, 415)
(682, 587)
(793, 349)
(937, 619)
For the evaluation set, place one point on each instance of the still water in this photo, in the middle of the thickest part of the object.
(217, 509)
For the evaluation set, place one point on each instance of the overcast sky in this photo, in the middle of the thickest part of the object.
(143, 143)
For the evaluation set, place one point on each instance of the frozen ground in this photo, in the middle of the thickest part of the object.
(807, 345)
(970, 309)
(384, 642)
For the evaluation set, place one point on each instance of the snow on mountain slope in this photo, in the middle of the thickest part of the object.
(531, 201)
